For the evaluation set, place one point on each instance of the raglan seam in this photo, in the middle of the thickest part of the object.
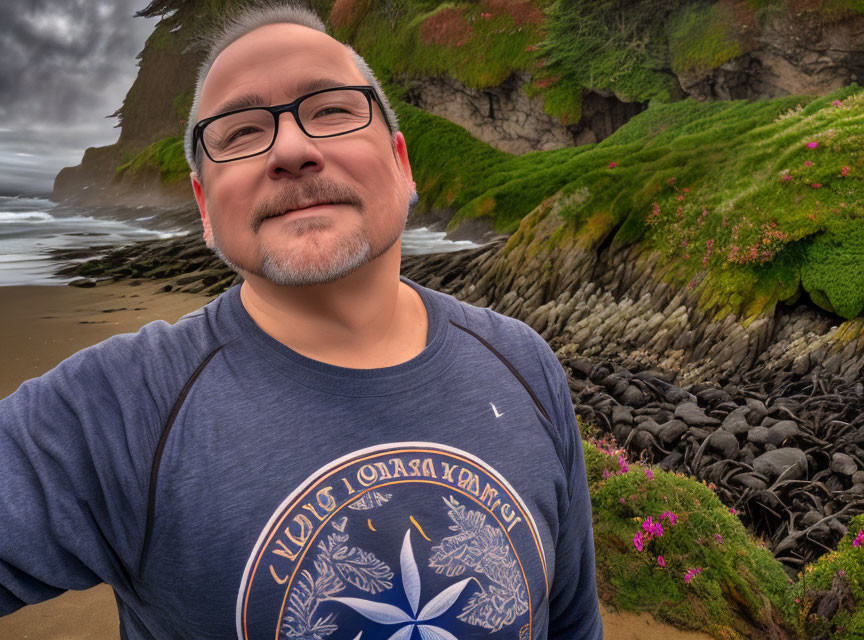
(160, 446)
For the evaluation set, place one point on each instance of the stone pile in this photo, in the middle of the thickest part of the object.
(786, 451)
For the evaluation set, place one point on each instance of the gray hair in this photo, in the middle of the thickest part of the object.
(249, 20)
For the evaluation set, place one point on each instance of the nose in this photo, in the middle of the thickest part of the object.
(293, 153)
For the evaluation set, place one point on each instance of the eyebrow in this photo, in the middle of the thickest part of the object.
(255, 100)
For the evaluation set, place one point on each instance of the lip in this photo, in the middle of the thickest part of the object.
(312, 209)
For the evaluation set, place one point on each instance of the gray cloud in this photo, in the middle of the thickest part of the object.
(64, 66)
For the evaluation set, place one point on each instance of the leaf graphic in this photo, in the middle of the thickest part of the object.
(363, 570)
(410, 574)
(376, 611)
(443, 601)
(428, 632)
(403, 634)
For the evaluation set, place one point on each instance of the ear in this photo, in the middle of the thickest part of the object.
(202, 207)
(400, 152)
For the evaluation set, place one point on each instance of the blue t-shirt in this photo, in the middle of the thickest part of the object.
(226, 486)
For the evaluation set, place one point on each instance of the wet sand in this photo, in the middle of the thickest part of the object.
(40, 327)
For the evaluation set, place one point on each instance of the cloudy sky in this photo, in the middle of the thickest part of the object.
(64, 66)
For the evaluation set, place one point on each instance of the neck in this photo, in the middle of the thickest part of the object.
(369, 319)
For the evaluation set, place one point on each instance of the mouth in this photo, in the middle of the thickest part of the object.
(308, 207)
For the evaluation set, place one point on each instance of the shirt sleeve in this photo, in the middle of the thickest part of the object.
(574, 610)
(73, 476)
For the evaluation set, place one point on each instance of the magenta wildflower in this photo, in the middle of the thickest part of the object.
(622, 465)
(637, 541)
(691, 573)
(606, 474)
(816, 185)
(812, 145)
(670, 516)
(661, 561)
(719, 538)
(621, 500)
(841, 573)
(859, 539)
(612, 165)
(648, 473)
(653, 529)
(836, 103)
(844, 172)
(808, 164)
(786, 178)
(732, 510)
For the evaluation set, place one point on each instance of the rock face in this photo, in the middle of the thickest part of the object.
(793, 54)
(507, 119)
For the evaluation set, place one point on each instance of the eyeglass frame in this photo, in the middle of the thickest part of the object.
(291, 107)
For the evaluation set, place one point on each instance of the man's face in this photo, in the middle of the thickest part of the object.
(241, 202)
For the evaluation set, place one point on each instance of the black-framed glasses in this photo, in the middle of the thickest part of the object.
(251, 131)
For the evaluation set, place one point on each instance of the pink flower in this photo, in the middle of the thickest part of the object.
(622, 465)
(859, 539)
(841, 573)
(836, 103)
(637, 541)
(612, 165)
(844, 172)
(648, 473)
(816, 185)
(719, 538)
(732, 510)
(680, 198)
(661, 561)
(686, 189)
(653, 529)
(606, 474)
(670, 516)
(812, 145)
(621, 500)
(786, 178)
(808, 164)
(691, 573)
(531, 47)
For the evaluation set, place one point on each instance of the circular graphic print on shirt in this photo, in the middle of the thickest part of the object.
(397, 542)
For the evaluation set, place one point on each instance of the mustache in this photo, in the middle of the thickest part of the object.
(291, 197)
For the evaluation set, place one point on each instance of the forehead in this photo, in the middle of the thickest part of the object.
(273, 61)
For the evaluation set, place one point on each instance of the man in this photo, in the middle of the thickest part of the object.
(327, 450)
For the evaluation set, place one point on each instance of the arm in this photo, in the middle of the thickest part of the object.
(71, 497)
(574, 611)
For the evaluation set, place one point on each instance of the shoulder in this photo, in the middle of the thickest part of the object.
(511, 339)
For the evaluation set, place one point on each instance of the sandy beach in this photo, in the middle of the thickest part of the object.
(42, 325)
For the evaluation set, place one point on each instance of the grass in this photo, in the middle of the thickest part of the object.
(735, 588)
(741, 209)
(165, 157)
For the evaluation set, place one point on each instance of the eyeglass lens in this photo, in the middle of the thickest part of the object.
(252, 131)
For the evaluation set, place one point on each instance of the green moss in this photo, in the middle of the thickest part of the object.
(740, 587)
(165, 156)
(702, 37)
(846, 565)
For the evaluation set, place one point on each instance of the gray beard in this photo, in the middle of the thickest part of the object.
(290, 270)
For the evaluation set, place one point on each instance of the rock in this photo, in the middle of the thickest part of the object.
(671, 432)
(757, 411)
(858, 477)
(736, 422)
(622, 415)
(782, 431)
(690, 413)
(713, 396)
(843, 464)
(750, 480)
(723, 443)
(651, 427)
(633, 396)
(758, 435)
(810, 518)
(672, 461)
(789, 461)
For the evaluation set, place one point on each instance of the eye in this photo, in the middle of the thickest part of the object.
(240, 133)
(326, 109)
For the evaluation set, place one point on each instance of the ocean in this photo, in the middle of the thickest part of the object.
(32, 227)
